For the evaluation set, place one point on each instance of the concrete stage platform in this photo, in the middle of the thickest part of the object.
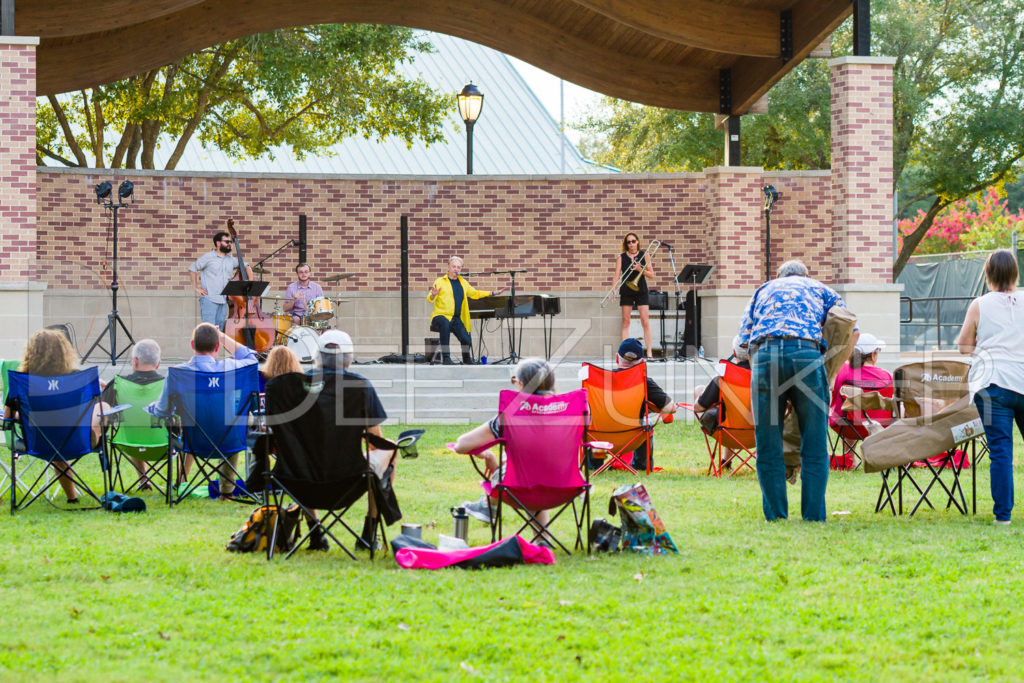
(458, 394)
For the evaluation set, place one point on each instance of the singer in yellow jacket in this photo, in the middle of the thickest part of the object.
(451, 293)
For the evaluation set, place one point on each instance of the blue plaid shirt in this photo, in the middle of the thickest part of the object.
(792, 306)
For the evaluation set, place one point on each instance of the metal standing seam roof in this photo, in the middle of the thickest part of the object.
(515, 134)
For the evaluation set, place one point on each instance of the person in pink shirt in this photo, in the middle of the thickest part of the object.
(862, 372)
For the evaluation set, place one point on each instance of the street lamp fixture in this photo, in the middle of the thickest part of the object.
(471, 101)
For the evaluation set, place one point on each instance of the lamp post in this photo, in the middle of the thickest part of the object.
(471, 101)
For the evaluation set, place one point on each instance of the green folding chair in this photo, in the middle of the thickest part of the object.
(5, 469)
(136, 438)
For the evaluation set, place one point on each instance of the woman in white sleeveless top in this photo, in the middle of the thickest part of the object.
(994, 332)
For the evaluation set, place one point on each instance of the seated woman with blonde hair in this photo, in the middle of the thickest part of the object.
(281, 360)
(48, 353)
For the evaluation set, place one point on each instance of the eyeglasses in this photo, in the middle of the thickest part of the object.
(630, 241)
(514, 380)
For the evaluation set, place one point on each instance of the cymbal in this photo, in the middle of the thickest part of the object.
(262, 270)
(274, 297)
(339, 276)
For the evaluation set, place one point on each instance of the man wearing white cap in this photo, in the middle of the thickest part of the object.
(355, 404)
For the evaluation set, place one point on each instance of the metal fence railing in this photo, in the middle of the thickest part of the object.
(932, 323)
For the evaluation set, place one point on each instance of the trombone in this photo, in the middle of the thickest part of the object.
(631, 278)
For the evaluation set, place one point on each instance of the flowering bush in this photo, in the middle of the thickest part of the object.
(976, 223)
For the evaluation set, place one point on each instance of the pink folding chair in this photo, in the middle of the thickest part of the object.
(542, 444)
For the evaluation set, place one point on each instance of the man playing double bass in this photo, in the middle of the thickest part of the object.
(300, 293)
(209, 274)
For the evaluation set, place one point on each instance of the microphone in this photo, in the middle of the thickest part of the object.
(666, 245)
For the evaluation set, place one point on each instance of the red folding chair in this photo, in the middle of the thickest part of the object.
(849, 427)
(618, 413)
(735, 425)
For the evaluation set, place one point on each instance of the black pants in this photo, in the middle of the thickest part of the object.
(445, 328)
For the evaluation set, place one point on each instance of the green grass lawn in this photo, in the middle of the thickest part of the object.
(89, 595)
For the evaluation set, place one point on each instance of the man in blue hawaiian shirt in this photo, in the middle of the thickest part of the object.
(782, 327)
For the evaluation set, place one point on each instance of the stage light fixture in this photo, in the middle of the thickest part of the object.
(126, 190)
(102, 191)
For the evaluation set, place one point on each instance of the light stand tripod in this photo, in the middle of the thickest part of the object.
(125, 191)
(770, 197)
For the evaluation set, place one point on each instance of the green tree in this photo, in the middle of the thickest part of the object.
(958, 87)
(306, 88)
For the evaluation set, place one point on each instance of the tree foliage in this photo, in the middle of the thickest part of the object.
(958, 86)
(306, 88)
(980, 222)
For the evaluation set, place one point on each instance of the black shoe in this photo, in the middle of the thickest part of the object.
(447, 361)
(317, 540)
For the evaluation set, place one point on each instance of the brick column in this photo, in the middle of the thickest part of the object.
(734, 247)
(862, 130)
(21, 298)
(862, 209)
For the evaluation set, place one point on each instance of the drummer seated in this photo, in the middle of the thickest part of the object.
(300, 293)
(207, 340)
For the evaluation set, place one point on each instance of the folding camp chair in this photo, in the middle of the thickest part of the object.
(542, 445)
(735, 422)
(849, 427)
(53, 425)
(618, 414)
(136, 437)
(210, 421)
(930, 396)
(26, 464)
(326, 460)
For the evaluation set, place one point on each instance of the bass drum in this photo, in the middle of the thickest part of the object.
(303, 341)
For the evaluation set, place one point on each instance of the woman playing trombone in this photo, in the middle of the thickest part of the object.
(633, 288)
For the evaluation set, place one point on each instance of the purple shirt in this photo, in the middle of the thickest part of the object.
(302, 295)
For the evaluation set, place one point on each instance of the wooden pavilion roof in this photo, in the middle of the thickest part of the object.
(694, 55)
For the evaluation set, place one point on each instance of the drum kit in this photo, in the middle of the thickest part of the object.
(303, 338)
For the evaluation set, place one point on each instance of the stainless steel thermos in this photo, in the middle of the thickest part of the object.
(461, 523)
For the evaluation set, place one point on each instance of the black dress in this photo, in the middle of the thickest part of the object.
(627, 296)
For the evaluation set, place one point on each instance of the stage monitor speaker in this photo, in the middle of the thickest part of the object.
(658, 300)
(691, 341)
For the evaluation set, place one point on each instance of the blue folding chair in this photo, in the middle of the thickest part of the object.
(53, 425)
(210, 421)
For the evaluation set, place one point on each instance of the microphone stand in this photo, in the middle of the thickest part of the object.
(679, 293)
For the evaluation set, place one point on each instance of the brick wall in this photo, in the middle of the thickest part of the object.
(17, 158)
(566, 231)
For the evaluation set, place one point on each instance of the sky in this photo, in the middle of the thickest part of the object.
(545, 85)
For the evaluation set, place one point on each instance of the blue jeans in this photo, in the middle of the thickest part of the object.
(445, 328)
(211, 312)
(999, 409)
(790, 370)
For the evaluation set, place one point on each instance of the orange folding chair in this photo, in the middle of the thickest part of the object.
(735, 422)
(618, 413)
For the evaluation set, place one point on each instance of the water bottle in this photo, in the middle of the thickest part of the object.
(461, 523)
(700, 351)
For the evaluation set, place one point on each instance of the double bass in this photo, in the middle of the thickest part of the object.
(246, 322)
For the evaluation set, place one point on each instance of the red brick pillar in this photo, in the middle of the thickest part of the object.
(21, 299)
(862, 208)
(733, 201)
(862, 136)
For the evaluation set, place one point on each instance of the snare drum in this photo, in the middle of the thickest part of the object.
(320, 308)
(303, 341)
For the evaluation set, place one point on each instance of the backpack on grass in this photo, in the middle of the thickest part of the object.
(255, 534)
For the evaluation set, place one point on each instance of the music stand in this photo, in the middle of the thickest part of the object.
(247, 289)
(694, 275)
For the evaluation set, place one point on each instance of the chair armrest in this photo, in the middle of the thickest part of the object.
(478, 450)
(380, 442)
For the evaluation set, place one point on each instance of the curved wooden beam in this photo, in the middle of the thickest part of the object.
(73, 63)
(62, 19)
(702, 24)
(813, 20)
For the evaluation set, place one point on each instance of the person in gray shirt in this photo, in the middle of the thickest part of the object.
(210, 273)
